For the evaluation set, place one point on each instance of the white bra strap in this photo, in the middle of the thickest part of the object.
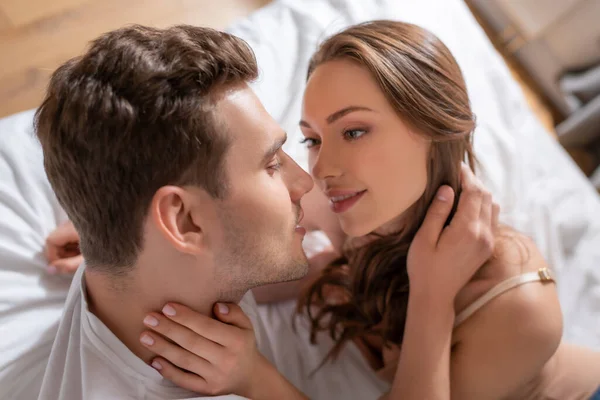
(543, 275)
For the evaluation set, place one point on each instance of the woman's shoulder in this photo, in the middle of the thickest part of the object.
(514, 253)
(532, 306)
(513, 333)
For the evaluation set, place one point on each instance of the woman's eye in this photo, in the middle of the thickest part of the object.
(353, 134)
(309, 142)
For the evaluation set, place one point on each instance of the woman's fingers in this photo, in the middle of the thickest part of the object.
(65, 265)
(203, 325)
(222, 352)
(232, 314)
(469, 203)
(62, 250)
(184, 337)
(183, 379)
(175, 354)
(436, 217)
(63, 237)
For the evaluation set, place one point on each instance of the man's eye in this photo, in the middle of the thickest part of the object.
(274, 166)
(309, 142)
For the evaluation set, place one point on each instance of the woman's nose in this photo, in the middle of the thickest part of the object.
(326, 165)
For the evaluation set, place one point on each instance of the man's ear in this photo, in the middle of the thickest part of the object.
(172, 211)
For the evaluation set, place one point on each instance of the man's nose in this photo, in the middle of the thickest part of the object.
(299, 182)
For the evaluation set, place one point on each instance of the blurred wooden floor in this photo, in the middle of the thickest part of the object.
(36, 36)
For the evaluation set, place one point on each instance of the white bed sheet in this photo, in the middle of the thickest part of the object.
(540, 189)
(31, 301)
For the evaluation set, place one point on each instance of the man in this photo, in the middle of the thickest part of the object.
(173, 175)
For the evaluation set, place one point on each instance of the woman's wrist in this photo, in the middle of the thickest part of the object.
(261, 375)
(423, 368)
(268, 383)
(429, 300)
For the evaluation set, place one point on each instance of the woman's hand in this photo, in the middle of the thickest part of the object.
(62, 250)
(211, 357)
(442, 260)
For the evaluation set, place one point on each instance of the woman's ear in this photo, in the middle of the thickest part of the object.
(171, 210)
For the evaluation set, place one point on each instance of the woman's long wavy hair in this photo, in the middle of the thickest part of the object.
(365, 292)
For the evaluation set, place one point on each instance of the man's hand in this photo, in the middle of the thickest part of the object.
(211, 357)
(442, 260)
(62, 250)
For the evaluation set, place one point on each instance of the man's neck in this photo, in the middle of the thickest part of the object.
(123, 310)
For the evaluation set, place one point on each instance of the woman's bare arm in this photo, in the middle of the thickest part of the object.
(423, 370)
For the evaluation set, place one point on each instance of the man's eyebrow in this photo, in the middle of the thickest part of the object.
(275, 147)
(339, 114)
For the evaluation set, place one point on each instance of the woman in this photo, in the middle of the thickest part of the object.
(387, 121)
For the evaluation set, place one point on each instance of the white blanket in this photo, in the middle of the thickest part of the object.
(540, 189)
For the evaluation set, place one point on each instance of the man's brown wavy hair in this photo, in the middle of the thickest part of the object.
(135, 113)
(366, 291)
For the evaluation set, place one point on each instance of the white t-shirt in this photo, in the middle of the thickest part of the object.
(89, 362)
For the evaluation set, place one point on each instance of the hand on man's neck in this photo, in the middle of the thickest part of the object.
(122, 305)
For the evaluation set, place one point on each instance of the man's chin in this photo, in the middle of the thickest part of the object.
(302, 270)
(303, 265)
(295, 271)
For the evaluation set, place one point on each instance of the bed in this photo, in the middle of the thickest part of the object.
(540, 189)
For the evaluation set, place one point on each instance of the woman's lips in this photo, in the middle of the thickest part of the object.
(342, 201)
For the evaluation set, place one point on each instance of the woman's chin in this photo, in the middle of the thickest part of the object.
(356, 230)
